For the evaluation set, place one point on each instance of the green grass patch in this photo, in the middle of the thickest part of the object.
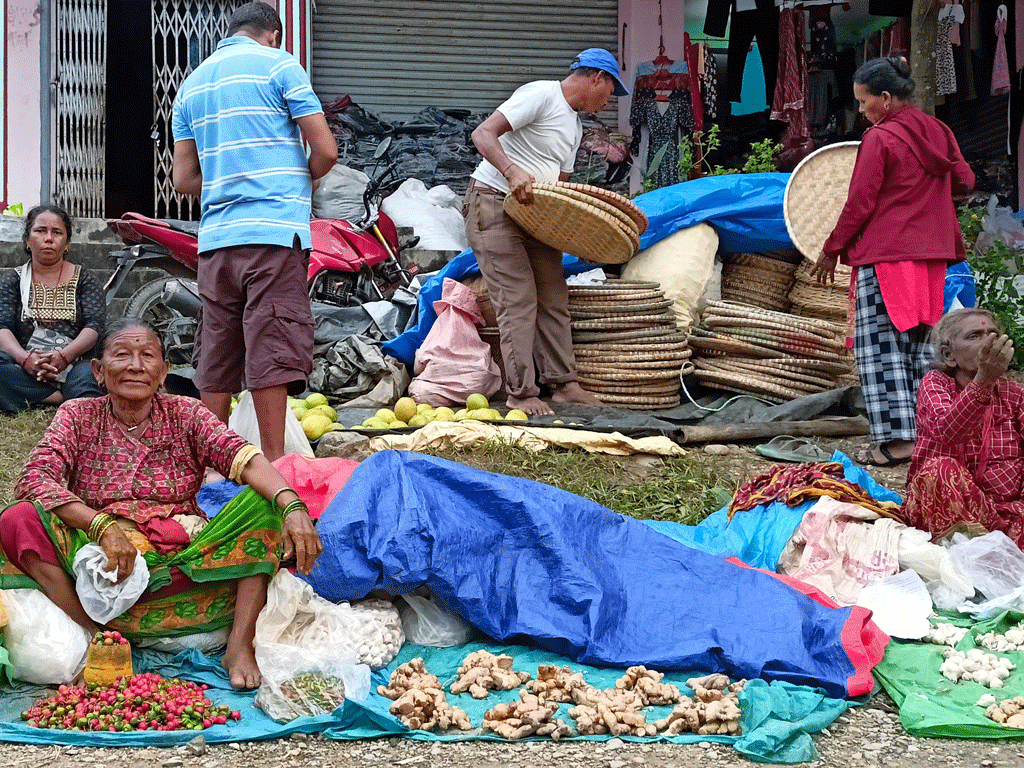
(676, 488)
(18, 434)
(679, 488)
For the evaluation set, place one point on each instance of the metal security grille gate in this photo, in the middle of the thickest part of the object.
(184, 33)
(396, 57)
(79, 87)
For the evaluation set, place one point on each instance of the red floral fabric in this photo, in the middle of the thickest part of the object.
(84, 456)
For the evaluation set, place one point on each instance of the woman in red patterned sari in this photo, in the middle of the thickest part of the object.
(122, 471)
(968, 465)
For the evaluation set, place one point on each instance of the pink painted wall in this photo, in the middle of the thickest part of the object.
(641, 39)
(21, 110)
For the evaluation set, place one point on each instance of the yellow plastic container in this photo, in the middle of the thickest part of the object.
(106, 663)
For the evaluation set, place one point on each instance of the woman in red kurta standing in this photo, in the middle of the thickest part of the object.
(968, 467)
(899, 231)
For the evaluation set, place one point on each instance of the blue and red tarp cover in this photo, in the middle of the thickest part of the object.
(528, 563)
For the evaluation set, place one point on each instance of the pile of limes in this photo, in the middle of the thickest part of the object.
(408, 413)
(315, 415)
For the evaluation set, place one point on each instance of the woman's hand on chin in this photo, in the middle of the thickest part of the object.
(994, 359)
(301, 541)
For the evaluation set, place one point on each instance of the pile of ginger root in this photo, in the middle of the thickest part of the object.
(1009, 712)
(530, 716)
(419, 700)
(714, 708)
(482, 671)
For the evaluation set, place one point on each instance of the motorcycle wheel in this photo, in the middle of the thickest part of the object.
(176, 331)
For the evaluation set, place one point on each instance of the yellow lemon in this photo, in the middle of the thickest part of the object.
(373, 423)
(475, 401)
(424, 407)
(418, 420)
(325, 410)
(316, 399)
(405, 408)
(386, 415)
(444, 413)
(558, 421)
(336, 427)
(516, 415)
(300, 412)
(315, 425)
(397, 424)
(461, 414)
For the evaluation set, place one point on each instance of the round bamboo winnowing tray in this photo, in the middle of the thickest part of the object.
(624, 204)
(574, 226)
(815, 195)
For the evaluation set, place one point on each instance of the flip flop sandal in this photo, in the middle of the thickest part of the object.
(796, 449)
(866, 457)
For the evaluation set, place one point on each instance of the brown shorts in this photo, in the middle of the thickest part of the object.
(256, 326)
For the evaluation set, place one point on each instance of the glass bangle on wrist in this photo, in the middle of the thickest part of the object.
(273, 500)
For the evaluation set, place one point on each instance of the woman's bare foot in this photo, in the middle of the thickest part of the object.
(572, 392)
(531, 406)
(240, 662)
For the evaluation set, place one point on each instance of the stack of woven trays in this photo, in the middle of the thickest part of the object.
(629, 350)
(759, 279)
(588, 222)
(826, 302)
(774, 355)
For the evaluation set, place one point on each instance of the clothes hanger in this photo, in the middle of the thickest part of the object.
(661, 60)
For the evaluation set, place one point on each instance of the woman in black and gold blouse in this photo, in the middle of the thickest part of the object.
(52, 314)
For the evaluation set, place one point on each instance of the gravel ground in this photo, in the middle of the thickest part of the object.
(869, 736)
(866, 736)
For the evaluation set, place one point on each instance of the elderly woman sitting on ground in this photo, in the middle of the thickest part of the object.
(123, 471)
(968, 466)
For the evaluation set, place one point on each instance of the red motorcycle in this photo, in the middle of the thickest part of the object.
(349, 264)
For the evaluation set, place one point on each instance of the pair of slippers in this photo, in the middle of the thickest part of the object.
(796, 449)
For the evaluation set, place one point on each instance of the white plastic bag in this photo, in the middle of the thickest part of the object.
(45, 646)
(993, 563)
(305, 682)
(426, 623)
(935, 565)
(206, 642)
(100, 596)
(435, 215)
(371, 630)
(243, 422)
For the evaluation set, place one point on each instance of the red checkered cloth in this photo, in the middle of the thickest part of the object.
(982, 428)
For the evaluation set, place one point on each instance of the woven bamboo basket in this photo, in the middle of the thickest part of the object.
(829, 302)
(757, 279)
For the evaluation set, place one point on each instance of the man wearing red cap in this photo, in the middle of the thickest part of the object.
(533, 137)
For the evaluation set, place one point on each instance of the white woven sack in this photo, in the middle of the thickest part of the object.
(682, 263)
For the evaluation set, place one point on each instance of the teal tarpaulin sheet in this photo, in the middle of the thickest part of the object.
(777, 718)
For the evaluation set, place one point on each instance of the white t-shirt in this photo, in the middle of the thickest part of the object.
(546, 133)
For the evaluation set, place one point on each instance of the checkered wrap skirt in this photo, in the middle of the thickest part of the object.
(890, 364)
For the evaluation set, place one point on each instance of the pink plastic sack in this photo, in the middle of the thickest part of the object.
(317, 481)
(453, 362)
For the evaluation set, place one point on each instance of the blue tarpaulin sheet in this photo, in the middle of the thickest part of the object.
(528, 563)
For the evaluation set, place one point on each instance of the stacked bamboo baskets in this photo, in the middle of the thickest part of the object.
(586, 221)
(808, 298)
(759, 279)
(629, 350)
(773, 355)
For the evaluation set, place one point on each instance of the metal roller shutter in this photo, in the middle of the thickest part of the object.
(395, 57)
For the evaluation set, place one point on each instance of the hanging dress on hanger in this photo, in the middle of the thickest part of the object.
(945, 74)
(1001, 65)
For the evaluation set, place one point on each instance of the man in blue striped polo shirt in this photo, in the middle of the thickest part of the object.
(239, 123)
